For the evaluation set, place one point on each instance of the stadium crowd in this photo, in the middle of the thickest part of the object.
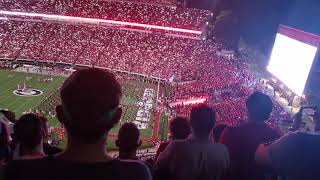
(233, 135)
(197, 147)
(153, 54)
(193, 64)
(118, 11)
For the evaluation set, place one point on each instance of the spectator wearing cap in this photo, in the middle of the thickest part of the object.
(196, 157)
(243, 141)
(179, 129)
(128, 141)
(89, 109)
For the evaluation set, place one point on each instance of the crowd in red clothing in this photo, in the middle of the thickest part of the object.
(148, 54)
(227, 82)
(191, 67)
(155, 2)
(119, 11)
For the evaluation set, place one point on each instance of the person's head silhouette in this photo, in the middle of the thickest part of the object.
(90, 106)
(259, 107)
(128, 141)
(179, 128)
(202, 120)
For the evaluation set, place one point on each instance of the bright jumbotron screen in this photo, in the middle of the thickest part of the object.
(291, 61)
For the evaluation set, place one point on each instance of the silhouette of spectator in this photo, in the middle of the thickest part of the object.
(5, 151)
(295, 155)
(243, 141)
(196, 157)
(179, 128)
(89, 109)
(9, 119)
(29, 134)
(48, 148)
(128, 141)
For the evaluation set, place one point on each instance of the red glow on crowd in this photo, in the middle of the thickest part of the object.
(189, 102)
(94, 20)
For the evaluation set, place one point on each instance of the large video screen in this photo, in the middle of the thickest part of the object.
(291, 61)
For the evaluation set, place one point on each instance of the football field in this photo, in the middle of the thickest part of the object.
(133, 91)
(19, 104)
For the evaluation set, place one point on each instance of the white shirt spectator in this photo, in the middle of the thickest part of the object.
(193, 159)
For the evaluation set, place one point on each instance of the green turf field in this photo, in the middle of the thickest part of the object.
(132, 92)
(8, 83)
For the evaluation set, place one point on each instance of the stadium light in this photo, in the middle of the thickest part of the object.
(100, 21)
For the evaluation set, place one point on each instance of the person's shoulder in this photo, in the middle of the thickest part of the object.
(32, 163)
(51, 150)
(218, 147)
(26, 163)
(178, 143)
(131, 164)
(164, 144)
(232, 130)
(134, 168)
(229, 132)
(302, 136)
(295, 135)
(290, 139)
(19, 168)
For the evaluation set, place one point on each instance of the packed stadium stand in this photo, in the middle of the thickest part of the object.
(152, 66)
(165, 57)
(117, 11)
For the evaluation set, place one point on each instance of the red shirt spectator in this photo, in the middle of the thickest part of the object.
(243, 141)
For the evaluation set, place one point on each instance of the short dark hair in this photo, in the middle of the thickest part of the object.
(90, 98)
(29, 131)
(259, 106)
(202, 120)
(128, 137)
(179, 128)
